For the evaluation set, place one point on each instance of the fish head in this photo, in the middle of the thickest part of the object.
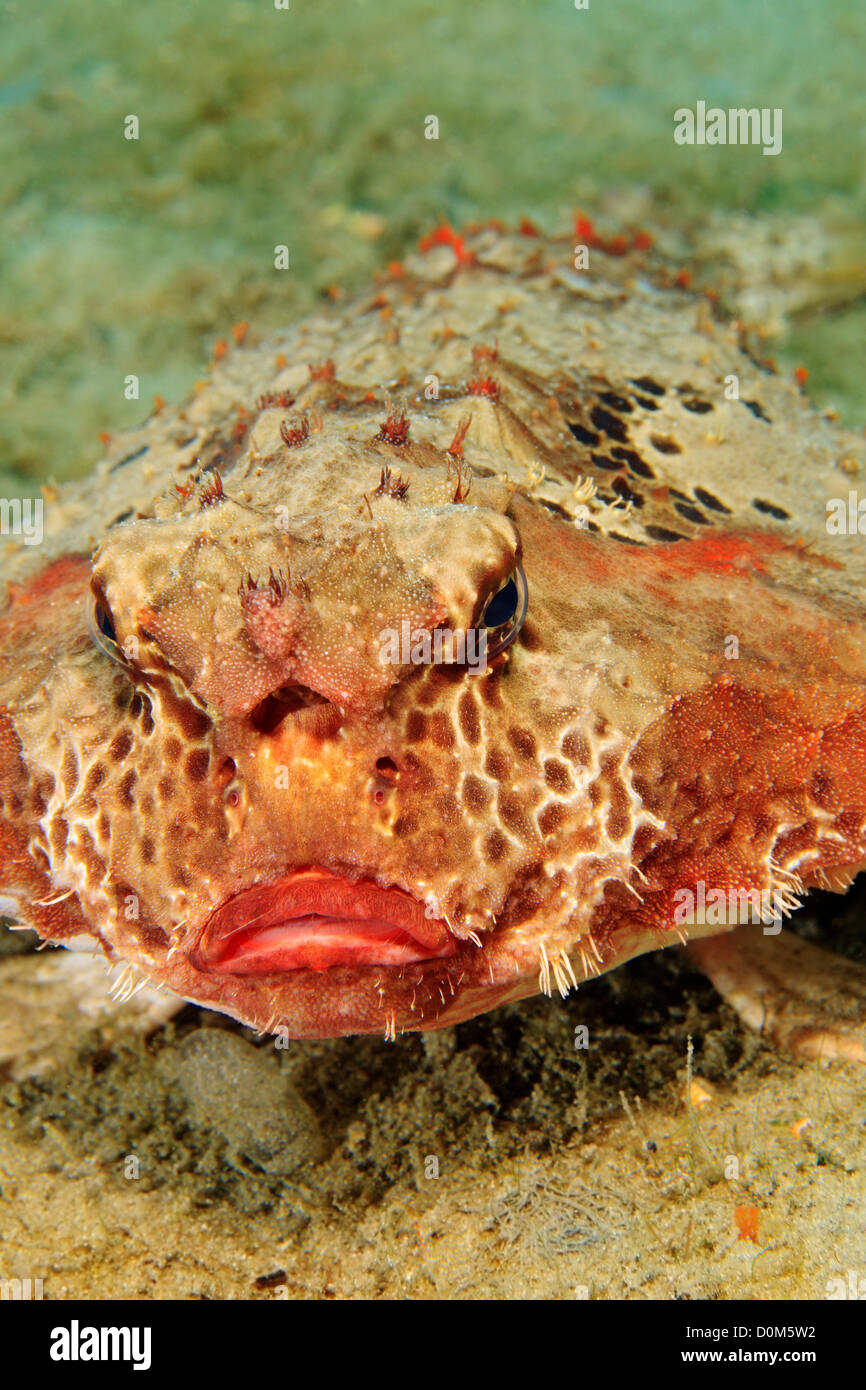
(359, 738)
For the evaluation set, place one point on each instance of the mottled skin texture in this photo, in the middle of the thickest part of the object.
(529, 826)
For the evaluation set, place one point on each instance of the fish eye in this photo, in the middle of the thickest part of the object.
(502, 606)
(505, 611)
(101, 626)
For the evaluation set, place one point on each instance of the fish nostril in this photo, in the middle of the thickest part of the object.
(225, 772)
(387, 774)
(388, 769)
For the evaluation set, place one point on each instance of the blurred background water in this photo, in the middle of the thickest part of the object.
(305, 126)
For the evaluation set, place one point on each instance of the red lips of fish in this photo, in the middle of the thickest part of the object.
(313, 920)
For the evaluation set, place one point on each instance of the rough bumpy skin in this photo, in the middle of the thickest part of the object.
(229, 790)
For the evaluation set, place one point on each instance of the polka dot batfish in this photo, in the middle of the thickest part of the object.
(438, 650)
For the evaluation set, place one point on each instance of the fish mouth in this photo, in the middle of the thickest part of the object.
(315, 920)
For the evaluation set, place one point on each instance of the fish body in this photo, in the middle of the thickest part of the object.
(233, 756)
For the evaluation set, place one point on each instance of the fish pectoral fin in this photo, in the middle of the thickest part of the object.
(807, 1000)
(50, 997)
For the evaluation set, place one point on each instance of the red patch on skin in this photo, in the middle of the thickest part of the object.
(725, 554)
(718, 555)
(313, 920)
(69, 570)
(62, 582)
(722, 554)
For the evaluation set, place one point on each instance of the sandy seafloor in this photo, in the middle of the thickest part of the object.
(491, 1160)
(495, 1159)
